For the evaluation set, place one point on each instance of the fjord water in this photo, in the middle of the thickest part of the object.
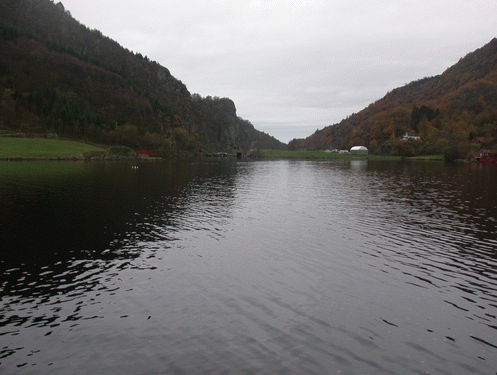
(267, 267)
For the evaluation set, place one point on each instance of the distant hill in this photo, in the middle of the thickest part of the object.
(454, 113)
(58, 76)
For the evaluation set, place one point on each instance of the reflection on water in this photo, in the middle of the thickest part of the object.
(181, 267)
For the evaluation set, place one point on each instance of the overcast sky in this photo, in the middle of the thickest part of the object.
(294, 66)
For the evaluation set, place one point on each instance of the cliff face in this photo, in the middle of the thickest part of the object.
(447, 111)
(57, 75)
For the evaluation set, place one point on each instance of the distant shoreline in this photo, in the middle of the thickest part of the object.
(37, 149)
(323, 155)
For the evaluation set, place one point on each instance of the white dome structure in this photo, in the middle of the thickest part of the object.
(359, 150)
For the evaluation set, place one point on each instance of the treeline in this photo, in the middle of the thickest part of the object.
(454, 113)
(59, 77)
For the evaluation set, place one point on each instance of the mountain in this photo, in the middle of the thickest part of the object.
(453, 113)
(58, 76)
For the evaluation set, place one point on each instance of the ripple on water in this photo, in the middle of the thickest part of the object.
(270, 267)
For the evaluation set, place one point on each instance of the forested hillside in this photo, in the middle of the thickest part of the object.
(454, 113)
(59, 77)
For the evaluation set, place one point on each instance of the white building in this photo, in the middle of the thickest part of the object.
(411, 136)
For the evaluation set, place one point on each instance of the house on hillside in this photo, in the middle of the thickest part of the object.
(358, 150)
(487, 156)
(411, 136)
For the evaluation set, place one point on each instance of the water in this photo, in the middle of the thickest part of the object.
(277, 267)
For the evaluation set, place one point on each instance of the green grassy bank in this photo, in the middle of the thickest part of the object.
(34, 148)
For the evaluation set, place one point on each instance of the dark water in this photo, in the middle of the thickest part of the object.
(275, 267)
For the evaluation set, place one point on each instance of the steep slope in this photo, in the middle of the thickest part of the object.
(57, 75)
(447, 111)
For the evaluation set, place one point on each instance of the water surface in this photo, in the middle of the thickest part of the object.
(218, 266)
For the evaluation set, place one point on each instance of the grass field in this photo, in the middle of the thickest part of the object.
(41, 148)
(428, 157)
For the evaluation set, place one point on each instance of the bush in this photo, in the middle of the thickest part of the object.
(451, 153)
(121, 151)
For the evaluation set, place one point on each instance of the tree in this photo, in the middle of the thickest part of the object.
(182, 138)
(373, 146)
(296, 144)
(127, 134)
(418, 114)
